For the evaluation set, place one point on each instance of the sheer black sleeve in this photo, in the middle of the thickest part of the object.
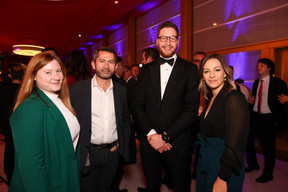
(236, 123)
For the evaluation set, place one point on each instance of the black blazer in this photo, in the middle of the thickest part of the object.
(175, 113)
(80, 94)
(276, 87)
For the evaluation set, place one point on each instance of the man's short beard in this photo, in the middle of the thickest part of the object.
(100, 76)
(166, 56)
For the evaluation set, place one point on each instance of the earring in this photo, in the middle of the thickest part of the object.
(225, 79)
(203, 82)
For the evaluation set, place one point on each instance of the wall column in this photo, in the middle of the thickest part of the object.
(105, 42)
(131, 41)
(187, 29)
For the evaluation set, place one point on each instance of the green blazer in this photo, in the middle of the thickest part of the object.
(45, 159)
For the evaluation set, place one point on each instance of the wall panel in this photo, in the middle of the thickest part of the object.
(118, 40)
(238, 22)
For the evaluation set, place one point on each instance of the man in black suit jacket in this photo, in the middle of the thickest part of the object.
(105, 123)
(164, 114)
(266, 115)
(119, 72)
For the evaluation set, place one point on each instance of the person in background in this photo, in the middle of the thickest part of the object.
(243, 88)
(50, 49)
(117, 76)
(149, 54)
(164, 108)
(224, 127)
(77, 67)
(126, 73)
(102, 110)
(6, 78)
(135, 71)
(198, 57)
(45, 130)
(7, 100)
(265, 116)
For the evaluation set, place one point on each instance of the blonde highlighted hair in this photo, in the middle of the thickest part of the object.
(29, 85)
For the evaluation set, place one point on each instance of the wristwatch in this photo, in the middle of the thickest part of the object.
(165, 137)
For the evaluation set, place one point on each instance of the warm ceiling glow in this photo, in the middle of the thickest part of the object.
(215, 24)
(27, 50)
(116, 2)
(79, 35)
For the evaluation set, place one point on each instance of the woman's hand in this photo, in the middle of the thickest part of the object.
(220, 185)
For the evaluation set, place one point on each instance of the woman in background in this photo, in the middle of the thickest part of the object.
(77, 67)
(45, 130)
(224, 127)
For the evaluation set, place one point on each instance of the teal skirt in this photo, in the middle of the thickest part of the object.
(208, 166)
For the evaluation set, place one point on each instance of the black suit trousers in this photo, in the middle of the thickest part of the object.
(263, 127)
(177, 168)
(102, 170)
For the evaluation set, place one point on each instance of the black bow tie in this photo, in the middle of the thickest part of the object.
(169, 61)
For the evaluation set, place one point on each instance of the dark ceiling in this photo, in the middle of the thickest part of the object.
(57, 23)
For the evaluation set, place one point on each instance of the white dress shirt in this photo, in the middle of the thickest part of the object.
(264, 103)
(165, 72)
(103, 118)
(71, 119)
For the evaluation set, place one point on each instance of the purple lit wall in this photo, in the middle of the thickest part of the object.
(239, 22)
(147, 24)
(244, 64)
(118, 40)
(96, 45)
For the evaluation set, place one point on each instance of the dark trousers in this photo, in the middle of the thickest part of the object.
(103, 168)
(117, 179)
(262, 126)
(178, 169)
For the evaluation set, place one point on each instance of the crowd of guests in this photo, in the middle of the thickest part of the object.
(69, 131)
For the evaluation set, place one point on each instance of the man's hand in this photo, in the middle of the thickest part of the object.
(113, 148)
(156, 141)
(166, 147)
(251, 99)
(283, 98)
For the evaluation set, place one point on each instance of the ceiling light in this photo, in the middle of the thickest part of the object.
(27, 50)
(215, 24)
(116, 2)
(79, 35)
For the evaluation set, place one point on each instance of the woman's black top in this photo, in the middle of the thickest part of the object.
(228, 119)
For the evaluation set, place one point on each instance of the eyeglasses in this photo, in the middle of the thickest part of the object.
(165, 38)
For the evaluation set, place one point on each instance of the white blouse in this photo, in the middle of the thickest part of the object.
(71, 120)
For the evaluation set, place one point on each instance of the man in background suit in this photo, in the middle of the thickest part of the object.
(265, 116)
(102, 111)
(164, 114)
(117, 76)
(149, 54)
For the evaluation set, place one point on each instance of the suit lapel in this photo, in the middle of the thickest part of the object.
(175, 76)
(117, 105)
(63, 131)
(155, 78)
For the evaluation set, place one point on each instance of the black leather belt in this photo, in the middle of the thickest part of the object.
(105, 145)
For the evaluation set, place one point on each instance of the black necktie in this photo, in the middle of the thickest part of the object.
(169, 61)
